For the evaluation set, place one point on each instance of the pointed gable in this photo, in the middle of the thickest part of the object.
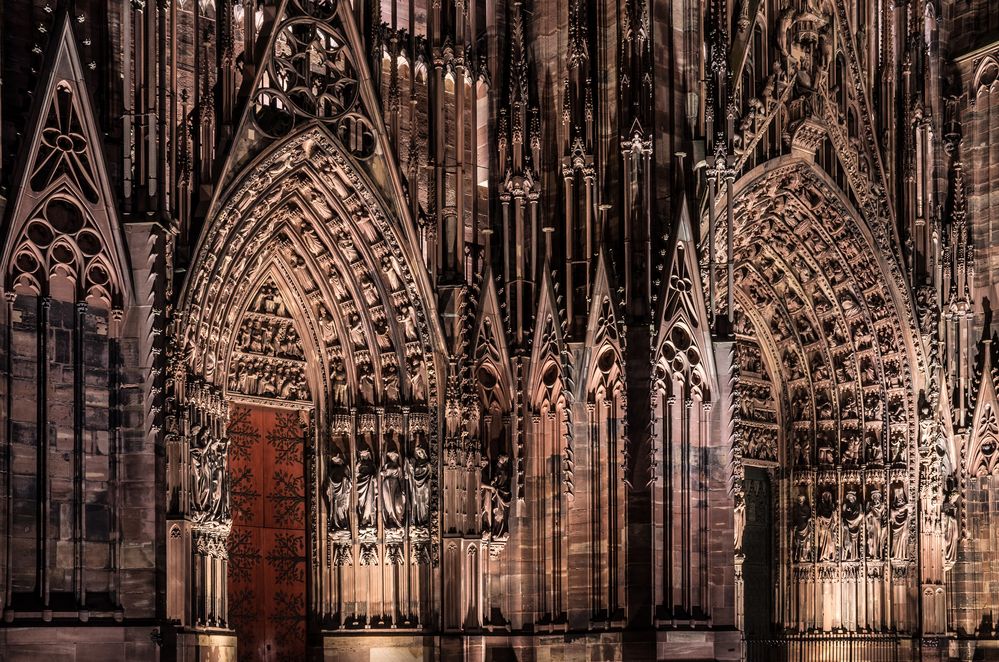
(550, 385)
(604, 337)
(548, 348)
(338, 94)
(63, 218)
(983, 443)
(489, 352)
(683, 343)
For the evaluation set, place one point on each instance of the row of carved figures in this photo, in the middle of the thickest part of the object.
(269, 301)
(268, 378)
(852, 530)
(270, 337)
(399, 490)
(856, 447)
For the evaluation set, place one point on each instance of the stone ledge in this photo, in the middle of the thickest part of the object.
(78, 644)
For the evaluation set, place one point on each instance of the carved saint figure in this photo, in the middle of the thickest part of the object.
(896, 448)
(951, 528)
(825, 526)
(393, 491)
(739, 512)
(874, 519)
(417, 381)
(407, 317)
(390, 382)
(496, 495)
(208, 458)
(875, 455)
(337, 493)
(338, 377)
(853, 518)
(899, 523)
(853, 448)
(367, 489)
(419, 473)
(801, 523)
(357, 331)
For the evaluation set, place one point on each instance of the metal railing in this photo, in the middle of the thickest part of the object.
(849, 647)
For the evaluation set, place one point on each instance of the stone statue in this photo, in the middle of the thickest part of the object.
(853, 518)
(874, 519)
(951, 528)
(393, 490)
(367, 490)
(825, 526)
(210, 494)
(338, 484)
(801, 524)
(200, 469)
(497, 497)
(419, 473)
(899, 524)
(739, 513)
(338, 377)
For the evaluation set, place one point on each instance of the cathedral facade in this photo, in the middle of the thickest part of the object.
(499, 330)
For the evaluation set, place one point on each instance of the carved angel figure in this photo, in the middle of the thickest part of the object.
(367, 489)
(419, 473)
(337, 492)
(393, 491)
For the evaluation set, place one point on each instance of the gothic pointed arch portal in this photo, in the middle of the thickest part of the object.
(829, 368)
(303, 328)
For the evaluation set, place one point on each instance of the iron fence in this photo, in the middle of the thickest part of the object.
(825, 648)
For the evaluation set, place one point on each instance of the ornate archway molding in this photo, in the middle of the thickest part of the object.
(306, 226)
(312, 163)
(832, 319)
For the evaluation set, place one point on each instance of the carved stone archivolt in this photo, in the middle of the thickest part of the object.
(368, 332)
(305, 293)
(825, 385)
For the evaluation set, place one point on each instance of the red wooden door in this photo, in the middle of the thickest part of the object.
(267, 561)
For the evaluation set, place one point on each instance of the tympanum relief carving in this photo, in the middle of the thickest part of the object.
(268, 360)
